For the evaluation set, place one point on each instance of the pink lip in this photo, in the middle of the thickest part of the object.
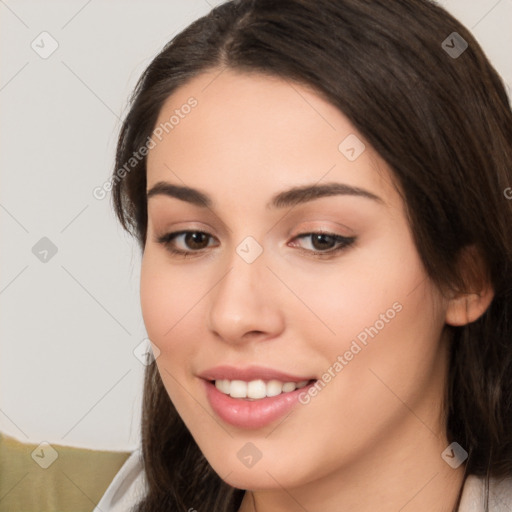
(251, 414)
(250, 373)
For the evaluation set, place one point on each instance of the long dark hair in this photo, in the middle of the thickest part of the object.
(443, 123)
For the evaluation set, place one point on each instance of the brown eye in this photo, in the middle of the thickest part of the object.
(196, 240)
(322, 241)
(320, 244)
(185, 242)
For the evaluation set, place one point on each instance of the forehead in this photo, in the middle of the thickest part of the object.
(254, 130)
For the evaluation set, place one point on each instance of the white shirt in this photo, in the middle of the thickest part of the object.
(129, 486)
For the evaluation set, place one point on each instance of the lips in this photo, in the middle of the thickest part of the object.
(251, 373)
(243, 411)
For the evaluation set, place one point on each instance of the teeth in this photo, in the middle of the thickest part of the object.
(256, 389)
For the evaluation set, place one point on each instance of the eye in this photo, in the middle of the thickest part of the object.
(185, 242)
(322, 243)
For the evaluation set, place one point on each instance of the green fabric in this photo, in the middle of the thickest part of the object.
(74, 482)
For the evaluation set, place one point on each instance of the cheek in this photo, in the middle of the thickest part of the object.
(168, 303)
(385, 319)
(387, 345)
(167, 296)
(156, 301)
(365, 288)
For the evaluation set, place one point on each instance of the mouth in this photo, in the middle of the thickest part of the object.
(257, 389)
(254, 404)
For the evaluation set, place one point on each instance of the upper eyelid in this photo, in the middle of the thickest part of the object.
(306, 233)
(177, 233)
(302, 233)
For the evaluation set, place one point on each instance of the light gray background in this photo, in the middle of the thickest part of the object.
(68, 326)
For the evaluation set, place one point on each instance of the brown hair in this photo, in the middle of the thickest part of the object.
(442, 123)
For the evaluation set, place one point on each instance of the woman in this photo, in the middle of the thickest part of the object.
(319, 192)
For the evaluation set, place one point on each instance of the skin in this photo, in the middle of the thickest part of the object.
(372, 438)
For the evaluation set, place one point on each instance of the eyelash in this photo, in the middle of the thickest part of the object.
(342, 241)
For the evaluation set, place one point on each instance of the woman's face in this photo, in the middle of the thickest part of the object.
(260, 294)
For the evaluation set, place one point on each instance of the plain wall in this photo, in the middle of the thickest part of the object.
(69, 325)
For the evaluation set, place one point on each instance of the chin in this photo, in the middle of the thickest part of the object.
(264, 474)
(250, 479)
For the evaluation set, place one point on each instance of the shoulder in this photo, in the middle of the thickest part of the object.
(474, 492)
(127, 488)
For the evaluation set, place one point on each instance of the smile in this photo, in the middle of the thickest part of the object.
(253, 413)
(256, 389)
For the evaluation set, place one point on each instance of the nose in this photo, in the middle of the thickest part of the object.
(244, 305)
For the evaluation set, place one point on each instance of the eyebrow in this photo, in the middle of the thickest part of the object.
(291, 197)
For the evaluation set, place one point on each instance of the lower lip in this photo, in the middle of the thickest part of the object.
(252, 414)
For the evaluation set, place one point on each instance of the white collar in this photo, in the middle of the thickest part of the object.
(127, 488)
(473, 495)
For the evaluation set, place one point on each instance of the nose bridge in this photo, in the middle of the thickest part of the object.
(246, 262)
(243, 301)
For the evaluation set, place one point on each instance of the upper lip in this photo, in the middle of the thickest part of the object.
(250, 373)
